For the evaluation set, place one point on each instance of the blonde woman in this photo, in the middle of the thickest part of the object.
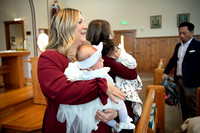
(89, 66)
(67, 32)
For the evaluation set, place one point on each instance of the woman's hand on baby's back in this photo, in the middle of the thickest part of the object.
(113, 92)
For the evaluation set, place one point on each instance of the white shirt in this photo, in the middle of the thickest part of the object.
(181, 53)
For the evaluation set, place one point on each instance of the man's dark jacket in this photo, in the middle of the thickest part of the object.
(190, 65)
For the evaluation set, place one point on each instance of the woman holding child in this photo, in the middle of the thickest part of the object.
(67, 32)
(99, 30)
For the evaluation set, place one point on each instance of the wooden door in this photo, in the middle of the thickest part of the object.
(129, 42)
(14, 33)
(129, 39)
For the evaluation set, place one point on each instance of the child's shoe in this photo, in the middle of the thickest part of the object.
(125, 125)
(117, 128)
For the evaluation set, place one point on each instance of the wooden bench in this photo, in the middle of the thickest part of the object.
(3, 70)
(154, 94)
(158, 72)
(30, 118)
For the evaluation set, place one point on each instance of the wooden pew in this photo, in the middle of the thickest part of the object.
(198, 102)
(158, 72)
(3, 70)
(154, 94)
(38, 96)
(30, 118)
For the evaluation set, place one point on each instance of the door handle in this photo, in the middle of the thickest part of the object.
(131, 52)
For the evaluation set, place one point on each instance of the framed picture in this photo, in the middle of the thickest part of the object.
(185, 17)
(155, 21)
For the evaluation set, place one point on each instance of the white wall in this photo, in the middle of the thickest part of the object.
(10, 9)
(41, 14)
(18, 9)
(137, 13)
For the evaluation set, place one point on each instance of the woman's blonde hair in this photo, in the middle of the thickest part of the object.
(61, 32)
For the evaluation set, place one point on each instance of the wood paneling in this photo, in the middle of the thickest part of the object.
(150, 49)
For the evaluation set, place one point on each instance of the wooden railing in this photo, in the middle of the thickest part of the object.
(158, 72)
(155, 94)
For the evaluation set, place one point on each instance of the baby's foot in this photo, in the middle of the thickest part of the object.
(117, 128)
(125, 125)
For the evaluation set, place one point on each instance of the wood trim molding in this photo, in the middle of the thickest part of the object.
(127, 31)
(161, 37)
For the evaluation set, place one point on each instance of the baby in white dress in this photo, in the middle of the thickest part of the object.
(82, 117)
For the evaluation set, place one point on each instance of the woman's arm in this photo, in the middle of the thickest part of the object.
(73, 73)
(117, 69)
(58, 89)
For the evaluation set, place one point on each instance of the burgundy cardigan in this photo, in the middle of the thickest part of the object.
(58, 90)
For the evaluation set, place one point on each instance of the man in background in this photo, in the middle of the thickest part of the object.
(186, 60)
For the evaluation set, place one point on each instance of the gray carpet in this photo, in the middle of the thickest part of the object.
(173, 120)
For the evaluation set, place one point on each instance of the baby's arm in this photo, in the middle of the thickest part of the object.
(126, 59)
(73, 73)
